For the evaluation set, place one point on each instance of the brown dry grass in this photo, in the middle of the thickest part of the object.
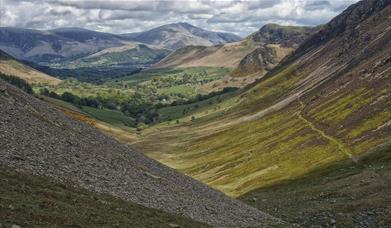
(32, 76)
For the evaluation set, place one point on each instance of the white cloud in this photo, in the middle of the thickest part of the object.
(122, 16)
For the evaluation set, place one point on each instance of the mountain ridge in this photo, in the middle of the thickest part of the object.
(271, 40)
(178, 35)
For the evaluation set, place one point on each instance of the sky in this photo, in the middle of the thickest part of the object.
(124, 16)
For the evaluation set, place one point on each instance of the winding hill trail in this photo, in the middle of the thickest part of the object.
(340, 146)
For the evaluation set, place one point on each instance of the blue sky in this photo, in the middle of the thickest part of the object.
(123, 16)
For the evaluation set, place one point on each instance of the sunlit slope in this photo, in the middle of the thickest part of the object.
(329, 101)
(10, 66)
(228, 55)
(274, 41)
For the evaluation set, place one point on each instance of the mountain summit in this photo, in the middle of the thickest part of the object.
(178, 35)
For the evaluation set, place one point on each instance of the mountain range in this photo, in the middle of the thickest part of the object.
(65, 44)
(60, 51)
(178, 35)
(306, 143)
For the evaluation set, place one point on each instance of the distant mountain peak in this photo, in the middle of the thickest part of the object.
(71, 29)
(287, 35)
(177, 35)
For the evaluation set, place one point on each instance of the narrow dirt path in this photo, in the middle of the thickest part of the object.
(340, 146)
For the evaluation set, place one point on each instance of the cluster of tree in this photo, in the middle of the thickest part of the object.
(18, 82)
(95, 75)
(143, 105)
(71, 98)
(202, 97)
(186, 78)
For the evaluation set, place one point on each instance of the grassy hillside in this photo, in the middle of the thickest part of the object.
(227, 55)
(10, 66)
(345, 194)
(136, 55)
(113, 117)
(319, 107)
(32, 201)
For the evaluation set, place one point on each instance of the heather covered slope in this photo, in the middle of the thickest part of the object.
(38, 139)
(329, 101)
(11, 66)
(345, 194)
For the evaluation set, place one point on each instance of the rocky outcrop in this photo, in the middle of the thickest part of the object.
(287, 36)
(263, 58)
(41, 140)
(276, 41)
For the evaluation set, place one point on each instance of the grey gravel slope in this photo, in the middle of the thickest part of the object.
(39, 139)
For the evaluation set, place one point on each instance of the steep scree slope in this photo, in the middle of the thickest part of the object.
(39, 139)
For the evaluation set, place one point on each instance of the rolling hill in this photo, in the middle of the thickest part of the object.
(178, 35)
(130, 55)
(11, 66)
(326, 102)
(38, 139)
